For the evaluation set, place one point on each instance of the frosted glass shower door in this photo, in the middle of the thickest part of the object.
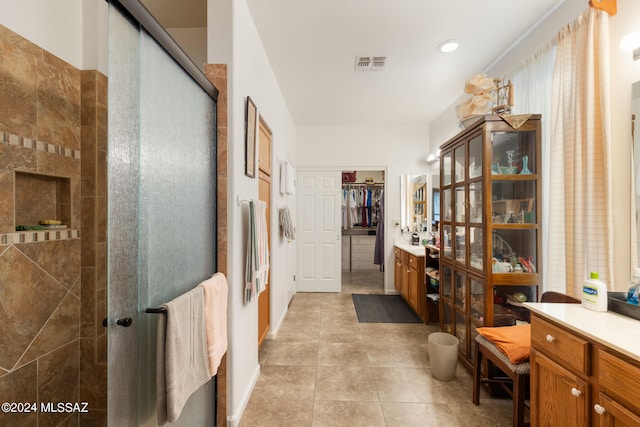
(162, 213)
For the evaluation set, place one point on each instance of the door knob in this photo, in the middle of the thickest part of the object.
(600, 410)
(124, 322)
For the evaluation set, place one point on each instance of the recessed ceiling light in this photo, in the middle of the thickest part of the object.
(448, 46)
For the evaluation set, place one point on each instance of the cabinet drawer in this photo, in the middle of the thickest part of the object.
(363, 240)
(362, 251)
(619, 378)
(413, 261)
(404, 257)
(355, 249)
(561, 345)
(359, 256)
(397, 252)
(363, 265)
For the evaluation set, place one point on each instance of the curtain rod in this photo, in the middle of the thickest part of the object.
(142, 16)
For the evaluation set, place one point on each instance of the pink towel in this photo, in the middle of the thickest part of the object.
(216, 290)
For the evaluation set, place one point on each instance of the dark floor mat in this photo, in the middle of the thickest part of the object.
(383, 309)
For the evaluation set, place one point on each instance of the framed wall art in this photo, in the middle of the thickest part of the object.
(250, 121)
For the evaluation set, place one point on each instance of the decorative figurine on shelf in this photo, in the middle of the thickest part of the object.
(504, 97)
(510, 169)
(495, 169)
(525, 166)
(481, 88)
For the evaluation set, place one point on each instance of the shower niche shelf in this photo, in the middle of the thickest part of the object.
(39, 196)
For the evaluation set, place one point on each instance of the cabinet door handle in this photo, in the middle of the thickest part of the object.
(575, 392)
(551, 338)
(600, 410)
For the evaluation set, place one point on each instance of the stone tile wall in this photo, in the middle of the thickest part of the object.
(93, 336)
(51, 346)
(217, 74)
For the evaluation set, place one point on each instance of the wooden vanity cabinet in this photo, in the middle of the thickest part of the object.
(578, 382)
(617, 402)
(409, 280)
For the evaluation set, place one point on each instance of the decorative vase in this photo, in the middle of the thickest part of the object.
(525, 165)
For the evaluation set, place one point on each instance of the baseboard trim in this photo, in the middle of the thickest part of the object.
(234, 419)
(273, 331)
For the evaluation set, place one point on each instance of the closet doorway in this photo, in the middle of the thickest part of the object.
(363, 231)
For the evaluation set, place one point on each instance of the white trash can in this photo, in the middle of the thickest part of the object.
(443, 355)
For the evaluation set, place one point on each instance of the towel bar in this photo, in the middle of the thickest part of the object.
(156, 310)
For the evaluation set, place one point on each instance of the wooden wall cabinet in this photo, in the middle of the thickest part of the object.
(576, 381)
(409, 280)
(489, 227)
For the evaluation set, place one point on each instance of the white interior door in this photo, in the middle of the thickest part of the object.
(319, 231)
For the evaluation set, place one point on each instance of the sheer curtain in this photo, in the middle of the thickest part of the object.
(566, 81)
(532, 82)
(580, 210)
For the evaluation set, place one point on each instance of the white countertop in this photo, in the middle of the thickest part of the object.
(614, 330)
(418, 250)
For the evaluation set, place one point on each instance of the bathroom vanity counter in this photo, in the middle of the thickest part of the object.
(613, 330)
(585, 366)
(402, 244)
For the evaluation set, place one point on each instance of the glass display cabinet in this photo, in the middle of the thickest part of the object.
(489, 232)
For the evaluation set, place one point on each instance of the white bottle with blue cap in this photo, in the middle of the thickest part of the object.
(594, 293)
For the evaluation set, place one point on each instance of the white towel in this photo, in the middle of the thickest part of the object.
(216, 291)
(290, 178)
(283, 177)
(182, 362)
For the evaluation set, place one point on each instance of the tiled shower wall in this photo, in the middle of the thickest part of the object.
(52, 283)
(93, 336)
(218, 75)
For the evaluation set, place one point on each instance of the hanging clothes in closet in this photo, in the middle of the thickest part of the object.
(361, 205)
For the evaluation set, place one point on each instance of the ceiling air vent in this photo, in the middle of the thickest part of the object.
(370, 63)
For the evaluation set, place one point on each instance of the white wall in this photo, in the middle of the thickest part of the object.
(623, 73)
(194, 43)
(400, 149)
(445, 126)
(55, 26)
(75, 31)
(233, 40)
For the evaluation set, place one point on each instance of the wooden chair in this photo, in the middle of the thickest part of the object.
(518, 374)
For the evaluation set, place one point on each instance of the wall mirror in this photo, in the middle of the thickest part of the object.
(435, 200)
(635, 113)
(413, 202)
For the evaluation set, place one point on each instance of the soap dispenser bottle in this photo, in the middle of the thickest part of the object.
(594, 293)
(634, 287)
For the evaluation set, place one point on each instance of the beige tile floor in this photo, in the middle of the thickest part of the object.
(327, 369)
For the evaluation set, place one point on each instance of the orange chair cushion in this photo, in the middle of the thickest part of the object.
(514, 341)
